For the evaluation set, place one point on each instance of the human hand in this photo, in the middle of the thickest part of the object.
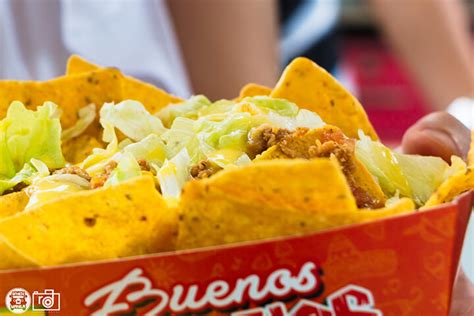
(440, 134)
(437, 134)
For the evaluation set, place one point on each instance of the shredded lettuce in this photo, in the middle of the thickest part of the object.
(173, 175)
(132, 119)
(304, 118)
(151, 148)
(27, 135)
(181, 135)
(35, 169)
(280, 106)
(218, 107)
(411, 176)
(382, 164)
(225, 157)
(423, 174)
(127, 168)
(100, 157)
(30, 134)
(86, 117)
(190, 108)
(229, 133)
(206, 135)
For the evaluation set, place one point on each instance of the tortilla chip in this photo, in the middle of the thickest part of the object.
(292, 184)
(362, 181)
(12, 259)
(271, 153)
(150, 96)
(128, 219)
(70, 93)
(402, 206)
(313, 88)
(470, 154)
(77, 149)
(262, 200)
(252, 90)
(12, 203)
(76, 64)
(453, 186)
(366, 181)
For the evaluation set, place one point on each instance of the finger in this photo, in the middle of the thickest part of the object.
(462, 302)
(437, 134)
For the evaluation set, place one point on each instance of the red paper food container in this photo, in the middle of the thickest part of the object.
(403, 265)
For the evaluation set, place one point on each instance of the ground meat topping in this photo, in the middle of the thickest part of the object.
(99, 180)
(203, 169)
(265, 137)
(329, 142)
(74, 170)
(17, 188)
(144, 165)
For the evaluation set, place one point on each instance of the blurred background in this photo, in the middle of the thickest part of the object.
(402, 59)
(362, 51)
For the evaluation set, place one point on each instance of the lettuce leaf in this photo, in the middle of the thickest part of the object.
(382, 164)
(132, 119)
(151, 148)
(35, 169)
(86, 117)
(26, 135)
(423, 174)
(413, 176)
(225, 157)
(127, 168)
(100, 157)
(173, 175)
(190, 108)
(304, 118)
(280, 106)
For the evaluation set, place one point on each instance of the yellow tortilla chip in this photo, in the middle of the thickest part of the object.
(313, 88)
(77, 149)
(453, 186)
(402, 206)
(12, 203)
(252, 90)
(262, 200)
(128, 219)
(70, 93)
(76, 65)
(12, 259)
(366, 181)
(291, 184)
(150, 96)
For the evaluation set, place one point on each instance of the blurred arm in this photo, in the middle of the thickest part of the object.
(432, 39)
(227, 44)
